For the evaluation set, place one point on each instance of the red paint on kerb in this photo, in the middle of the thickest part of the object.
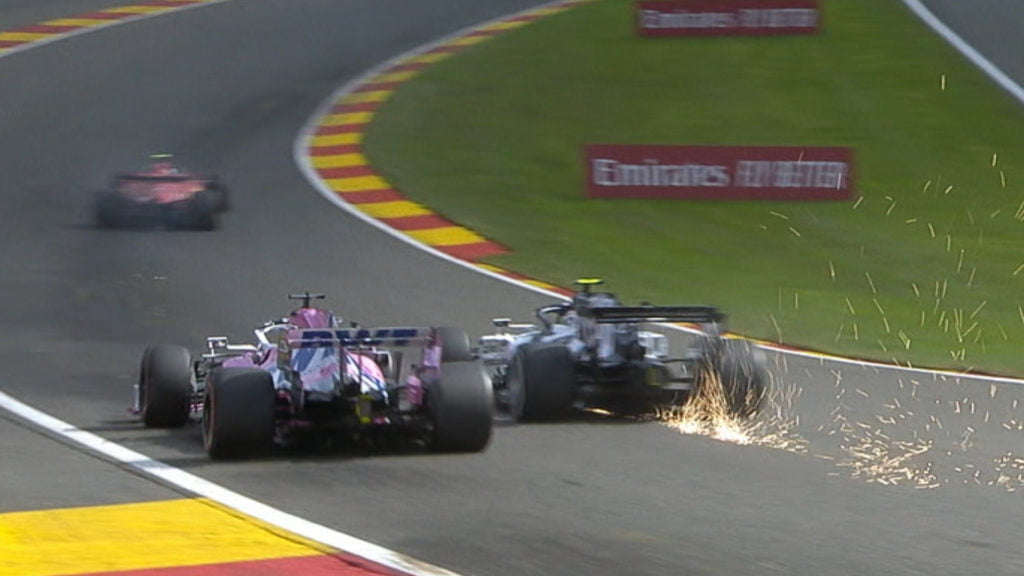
(335, 150)
(421, 222)
(473, 252)
(345, 172)
(319, 565)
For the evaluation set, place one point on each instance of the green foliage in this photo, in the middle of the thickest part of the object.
(925, 267)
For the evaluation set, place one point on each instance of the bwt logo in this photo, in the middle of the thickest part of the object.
(363, 336)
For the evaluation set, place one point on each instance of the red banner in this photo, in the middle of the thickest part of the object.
(719, 172)
(727, 17)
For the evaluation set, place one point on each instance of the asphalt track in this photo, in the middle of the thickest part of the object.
(228, 87)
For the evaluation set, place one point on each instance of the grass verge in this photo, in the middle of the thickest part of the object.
(925, 267)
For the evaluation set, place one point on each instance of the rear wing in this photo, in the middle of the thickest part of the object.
(634, 314)
(397, 336)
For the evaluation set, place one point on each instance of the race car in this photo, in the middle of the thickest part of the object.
(162, 195)
(591, 352)
(307, 376)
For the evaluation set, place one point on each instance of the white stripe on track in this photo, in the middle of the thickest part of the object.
(966, 49)
(194, 484)
(189, 482)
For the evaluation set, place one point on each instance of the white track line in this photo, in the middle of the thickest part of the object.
(194, 484)
(199, 486)
(966, 49)
(304, 161)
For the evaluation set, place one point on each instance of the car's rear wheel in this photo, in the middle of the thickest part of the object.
(743, 376)
(108, 212)
(219, 195)
(202, 212)
(541, 382)
(165, 386)
(455, 346)
(461, 407)
(238, 412)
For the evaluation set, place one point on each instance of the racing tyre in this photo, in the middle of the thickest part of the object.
(108, 210)
(238, 412)
(541, 382)
(461, 405)
(165, 386)
(742, 372)
(202, 213)
(219, 198)
(455, 345)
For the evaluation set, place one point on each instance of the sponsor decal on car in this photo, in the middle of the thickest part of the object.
(719, 172)
(727, 17)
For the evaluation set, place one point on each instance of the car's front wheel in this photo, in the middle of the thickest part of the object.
(165, 386)
(541, 382)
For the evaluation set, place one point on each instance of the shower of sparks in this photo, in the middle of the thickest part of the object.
(875, 457)
(775, 323)
(707, 413)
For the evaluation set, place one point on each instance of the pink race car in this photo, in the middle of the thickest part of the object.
(307, 376)
(162, 195)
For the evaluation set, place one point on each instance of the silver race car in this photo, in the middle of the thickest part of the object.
(593, 352)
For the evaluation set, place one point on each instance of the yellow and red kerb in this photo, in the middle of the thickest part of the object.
(52, 29)
(190, 537)
(336, 152)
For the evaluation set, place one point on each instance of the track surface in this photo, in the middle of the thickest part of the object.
(227, 87)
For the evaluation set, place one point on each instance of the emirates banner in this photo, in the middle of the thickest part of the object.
(727, 17)
(719, 172)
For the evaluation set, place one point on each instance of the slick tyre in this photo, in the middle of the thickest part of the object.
(461, 405)
(219, 195)
(165, 386)
(238, 412)
(108, 212)
(202, 213)
(541, 383)
(742, 372)
(455, 346)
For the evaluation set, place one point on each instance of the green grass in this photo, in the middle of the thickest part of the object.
(923, 269)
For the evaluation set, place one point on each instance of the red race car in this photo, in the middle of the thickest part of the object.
(162, 195)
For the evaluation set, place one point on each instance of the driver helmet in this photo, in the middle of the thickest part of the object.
(311, 318)
(163, 169)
